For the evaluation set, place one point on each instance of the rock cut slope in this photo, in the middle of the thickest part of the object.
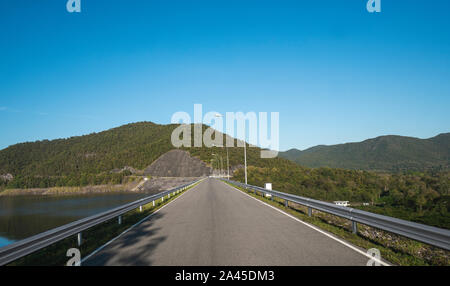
(177, 163)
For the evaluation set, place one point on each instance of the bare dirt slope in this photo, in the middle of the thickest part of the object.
(177, 163)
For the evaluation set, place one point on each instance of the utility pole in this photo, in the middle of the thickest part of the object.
(245, 153)
(245, 160)
(228, 164)
(219, 160)
(221, 165)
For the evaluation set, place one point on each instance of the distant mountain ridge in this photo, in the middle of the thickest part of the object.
(390, 153)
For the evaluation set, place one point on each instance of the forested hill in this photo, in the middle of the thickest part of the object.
(384, 153)
(135, 145)
(111, 156)
(89, 159)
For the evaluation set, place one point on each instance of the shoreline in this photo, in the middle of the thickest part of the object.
(66, 191)
(154, 185)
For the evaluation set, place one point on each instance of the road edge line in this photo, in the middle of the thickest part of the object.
(315, 228)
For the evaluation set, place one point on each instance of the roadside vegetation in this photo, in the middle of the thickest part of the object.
(418, 196)
(63, 191)
(73, 180)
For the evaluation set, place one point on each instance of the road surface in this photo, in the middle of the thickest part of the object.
(215, 224)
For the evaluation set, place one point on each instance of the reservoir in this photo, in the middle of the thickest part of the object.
(27, 215)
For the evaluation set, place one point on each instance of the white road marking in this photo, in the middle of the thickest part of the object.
(314, 227)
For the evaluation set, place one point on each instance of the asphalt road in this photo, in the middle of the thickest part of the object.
(215, 224)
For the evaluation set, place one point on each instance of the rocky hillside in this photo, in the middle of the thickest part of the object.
(178, 163)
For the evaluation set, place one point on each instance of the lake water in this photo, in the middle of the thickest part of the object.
(24, 216)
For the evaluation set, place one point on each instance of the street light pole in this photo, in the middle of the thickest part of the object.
(213, 161)
(221, 166)
(219, 160)
(228, 161)
(228, 164)
(245, 158)
(212, 165)
(245, 153)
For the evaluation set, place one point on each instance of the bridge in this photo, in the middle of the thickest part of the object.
(214, 223)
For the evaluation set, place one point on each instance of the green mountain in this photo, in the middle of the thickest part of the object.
(111, 156)
(384, 153)
(129, 145)
(95, 158)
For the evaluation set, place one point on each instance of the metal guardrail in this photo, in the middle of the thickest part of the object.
(29, 245)
(424, 233)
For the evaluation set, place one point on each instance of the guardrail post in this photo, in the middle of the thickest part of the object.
(79, 239)
(354, 227)
(140, 208)
(286, 204)
(309, 211)
(120, 219)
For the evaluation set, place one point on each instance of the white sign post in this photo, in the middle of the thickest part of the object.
(268, 186)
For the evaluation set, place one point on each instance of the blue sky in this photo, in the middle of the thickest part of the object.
(335, 72)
